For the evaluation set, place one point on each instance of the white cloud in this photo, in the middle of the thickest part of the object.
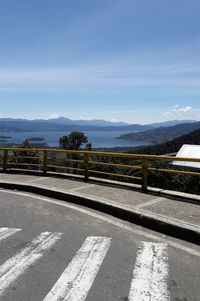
(54, 115)
(179, 112)
(2, 115)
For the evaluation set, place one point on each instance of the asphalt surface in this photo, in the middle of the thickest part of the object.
(178, 265)
(168, 212)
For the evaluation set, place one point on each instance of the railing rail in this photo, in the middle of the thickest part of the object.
(87, 163)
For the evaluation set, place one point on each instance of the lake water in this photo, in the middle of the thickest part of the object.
(98, 139)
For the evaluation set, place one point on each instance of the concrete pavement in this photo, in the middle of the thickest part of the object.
(177, 214)
(53, 250)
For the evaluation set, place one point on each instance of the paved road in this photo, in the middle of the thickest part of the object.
(51, 250)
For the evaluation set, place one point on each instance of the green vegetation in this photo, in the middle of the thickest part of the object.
(26, 158)
(74, 141)
(169, 181)
(172, 181)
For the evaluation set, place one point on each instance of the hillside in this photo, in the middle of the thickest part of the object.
(162, 134)
(171, 123)
(172, 146)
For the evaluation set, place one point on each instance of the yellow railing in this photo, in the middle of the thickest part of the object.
(87, 163)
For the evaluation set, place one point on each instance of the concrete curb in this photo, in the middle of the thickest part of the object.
(165, 225)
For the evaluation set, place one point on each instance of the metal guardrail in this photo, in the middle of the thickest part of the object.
(86, 163)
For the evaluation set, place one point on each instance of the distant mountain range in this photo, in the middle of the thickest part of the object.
(161, 134)
(66, 124)
(94, 122)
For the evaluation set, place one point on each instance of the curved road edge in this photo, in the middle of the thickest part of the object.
(165, 225)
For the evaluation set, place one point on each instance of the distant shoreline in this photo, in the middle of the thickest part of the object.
(101, 149)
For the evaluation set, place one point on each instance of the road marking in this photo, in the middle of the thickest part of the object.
(81, 187)
(36, 180)
(150, 274)
(6, 232)
(76, 280)
(151, 202)
(18, 264)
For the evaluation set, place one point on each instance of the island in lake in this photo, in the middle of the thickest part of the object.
(36, 139)
(5, 137)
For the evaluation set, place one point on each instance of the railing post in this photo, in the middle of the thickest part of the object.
(5, 160)
(86, 166)
(144, 174)
(45, 159)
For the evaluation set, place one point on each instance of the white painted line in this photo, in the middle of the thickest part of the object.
(76, 280)
(6, 232)
(152, 202)
(18, 264)
(150, 274)
(82, 187)
(37, 179)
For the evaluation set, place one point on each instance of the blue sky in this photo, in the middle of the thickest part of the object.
(131, 60)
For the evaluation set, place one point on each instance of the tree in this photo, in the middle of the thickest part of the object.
(26, 157)
(74, 141)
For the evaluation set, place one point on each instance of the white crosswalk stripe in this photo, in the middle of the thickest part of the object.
(18, 264)
(150, 274)
(6, 232)
(76, 281)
